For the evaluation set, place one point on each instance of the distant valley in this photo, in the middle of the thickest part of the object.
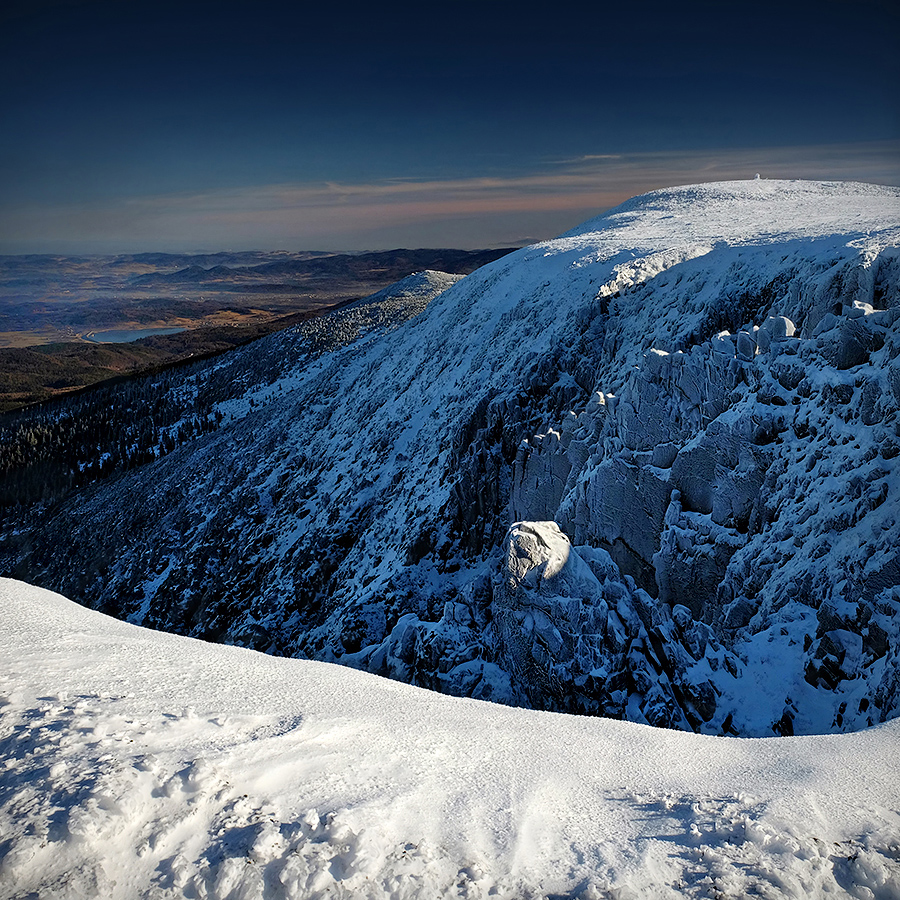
(52, 308)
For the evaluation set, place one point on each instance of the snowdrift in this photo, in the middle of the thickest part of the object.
(141, 764)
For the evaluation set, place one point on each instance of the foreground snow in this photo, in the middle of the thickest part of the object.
(141, 764)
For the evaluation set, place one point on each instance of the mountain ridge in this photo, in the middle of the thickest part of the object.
(644, 395)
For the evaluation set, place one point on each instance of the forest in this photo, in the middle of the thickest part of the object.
(48, 450)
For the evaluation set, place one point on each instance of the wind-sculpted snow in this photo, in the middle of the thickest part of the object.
(146, 765)
(698, 391)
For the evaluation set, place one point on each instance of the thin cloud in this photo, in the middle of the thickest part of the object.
(590, 157)
(475, 211)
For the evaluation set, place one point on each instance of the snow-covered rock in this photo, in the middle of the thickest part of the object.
(699, 388)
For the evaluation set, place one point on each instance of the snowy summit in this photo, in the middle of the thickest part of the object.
(647, 471)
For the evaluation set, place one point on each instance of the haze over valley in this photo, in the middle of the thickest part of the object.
(157, 309)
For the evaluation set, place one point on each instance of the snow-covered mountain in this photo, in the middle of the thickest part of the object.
(145, 765)
(647, 470)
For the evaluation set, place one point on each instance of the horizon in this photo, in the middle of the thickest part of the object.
(79, 250)
(187, 129)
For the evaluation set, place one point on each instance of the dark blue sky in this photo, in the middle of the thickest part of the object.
(129, 126)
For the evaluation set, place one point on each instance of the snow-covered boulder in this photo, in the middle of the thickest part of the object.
(575, 635)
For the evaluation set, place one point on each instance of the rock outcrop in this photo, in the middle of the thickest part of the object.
(646, 470)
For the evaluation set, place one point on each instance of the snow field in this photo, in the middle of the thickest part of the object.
(140, 764)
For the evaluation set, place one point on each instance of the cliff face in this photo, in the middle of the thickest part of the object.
(648, 470)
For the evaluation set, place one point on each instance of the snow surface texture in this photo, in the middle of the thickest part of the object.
(144, 765)
(647, 470)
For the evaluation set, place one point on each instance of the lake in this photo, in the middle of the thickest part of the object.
(125, 337)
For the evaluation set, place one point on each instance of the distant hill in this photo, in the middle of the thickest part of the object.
(387, 264)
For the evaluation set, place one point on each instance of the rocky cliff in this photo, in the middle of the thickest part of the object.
(646, 470)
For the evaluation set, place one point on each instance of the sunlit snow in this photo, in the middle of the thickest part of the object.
(140, 764)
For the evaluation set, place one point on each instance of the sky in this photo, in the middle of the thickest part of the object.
(198, 126)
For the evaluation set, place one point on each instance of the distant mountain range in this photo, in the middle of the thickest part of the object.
(393, 264)
(49, 305)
